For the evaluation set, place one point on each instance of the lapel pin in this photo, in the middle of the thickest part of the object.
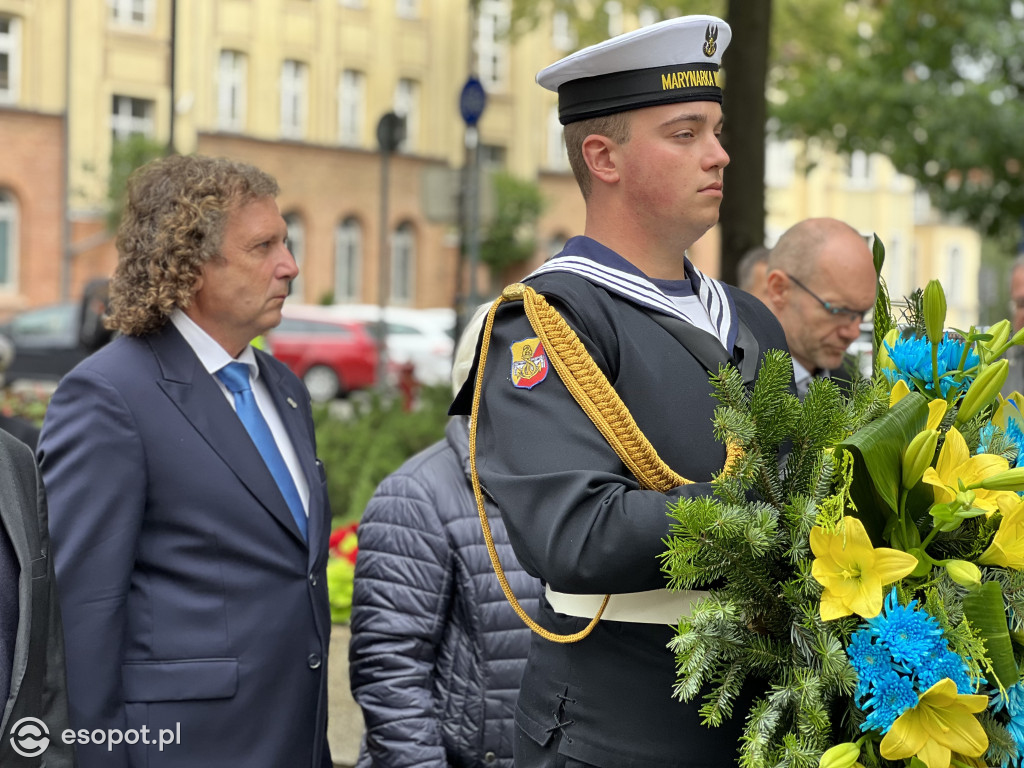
(292, 403)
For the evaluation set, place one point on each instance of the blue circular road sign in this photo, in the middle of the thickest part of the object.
(472, 101)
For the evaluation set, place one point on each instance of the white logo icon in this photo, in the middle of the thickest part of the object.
(30, 737)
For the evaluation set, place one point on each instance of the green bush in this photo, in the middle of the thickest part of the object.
(361, 450)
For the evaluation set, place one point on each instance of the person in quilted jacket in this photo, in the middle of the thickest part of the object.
(437, 653)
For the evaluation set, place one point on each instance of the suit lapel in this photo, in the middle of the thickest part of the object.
(200, 400)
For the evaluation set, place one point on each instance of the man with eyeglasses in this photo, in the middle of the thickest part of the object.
(821, 283)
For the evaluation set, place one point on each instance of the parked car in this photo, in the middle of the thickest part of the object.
(423, 337)
(46, 342)
(332, 356)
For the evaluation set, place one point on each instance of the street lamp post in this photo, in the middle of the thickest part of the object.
(390, 133)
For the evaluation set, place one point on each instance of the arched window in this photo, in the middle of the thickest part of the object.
(297, 245)
(8, 240)
(403, 263)
(348, 259)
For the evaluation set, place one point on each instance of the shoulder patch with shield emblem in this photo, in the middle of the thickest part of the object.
(529, 363)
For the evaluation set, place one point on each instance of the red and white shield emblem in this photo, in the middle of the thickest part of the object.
(529, 363)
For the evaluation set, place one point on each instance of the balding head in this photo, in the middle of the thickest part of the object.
(821, 279)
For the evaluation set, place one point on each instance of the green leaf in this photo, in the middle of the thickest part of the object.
(877, 450)
(986, 612)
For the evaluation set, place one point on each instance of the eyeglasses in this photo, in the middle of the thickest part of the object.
(841, 314)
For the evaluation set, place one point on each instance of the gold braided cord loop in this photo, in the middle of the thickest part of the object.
(598, 399)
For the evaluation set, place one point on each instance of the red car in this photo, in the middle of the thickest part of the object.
(332, 357)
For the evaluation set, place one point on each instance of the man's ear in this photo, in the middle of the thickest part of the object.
(599, 155)
(777, 287)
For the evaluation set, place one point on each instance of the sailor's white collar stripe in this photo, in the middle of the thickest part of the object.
(712, 293)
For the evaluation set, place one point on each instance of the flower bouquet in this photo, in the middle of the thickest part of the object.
(875, 587)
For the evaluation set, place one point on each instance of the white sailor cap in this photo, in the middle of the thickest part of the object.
(671, 61)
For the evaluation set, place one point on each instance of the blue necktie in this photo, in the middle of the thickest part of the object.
(236, 378)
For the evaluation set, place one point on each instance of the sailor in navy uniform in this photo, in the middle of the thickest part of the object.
(642, 115)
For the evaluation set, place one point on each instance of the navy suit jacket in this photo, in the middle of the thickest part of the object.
(38, 688)
(190, 600)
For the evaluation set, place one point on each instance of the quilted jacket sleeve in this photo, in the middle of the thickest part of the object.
(403, 587)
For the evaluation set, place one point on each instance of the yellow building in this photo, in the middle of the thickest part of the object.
(298, 87)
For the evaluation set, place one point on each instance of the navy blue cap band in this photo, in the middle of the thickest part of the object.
(621, 91)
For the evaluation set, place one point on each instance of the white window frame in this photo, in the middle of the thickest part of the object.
(131, 13)
(563, 38)
(860, 169)
(955, 260)
(492, 47)
(779, 163)
(557, 156)
(10, 45)
(348, 259)
(123, 121)
(647, 15)
(407, 97)
(294, 98)
(9, 215)
(297, 247)
(231, 86)
(616, 18)
(403, 264)
(351, 107)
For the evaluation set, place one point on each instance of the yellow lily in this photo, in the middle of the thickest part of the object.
(1007, 547)
(940, 723)
(956, 465)
(1009, 409)
(898, 392)
(936, 410)
(852, 571)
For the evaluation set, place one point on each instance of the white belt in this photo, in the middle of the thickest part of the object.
(656, 606)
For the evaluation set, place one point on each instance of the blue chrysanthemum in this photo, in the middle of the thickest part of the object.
(940, 665)
(892, 695)
(1012, 433)
(869, 659)
(1013, 703)
(909, 634)
(912, 358)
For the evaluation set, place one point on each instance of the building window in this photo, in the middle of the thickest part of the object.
(562, 37)
(616, 19)
(955, 273)
(351, 106)
(131, 13)
(403, 262)
(293, 99)
(406, 9)
(492, 44)
(894, 267)
(647, 16)
(297, 246)
(231, 91)
(131, 117)
(407, 96)
(557, 158)
(348, 256)
(10, 59)
(779, 163)
(8, 240)
(859, 170)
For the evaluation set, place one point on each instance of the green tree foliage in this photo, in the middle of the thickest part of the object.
(125, 156)
(932, 84)
(509, 239)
